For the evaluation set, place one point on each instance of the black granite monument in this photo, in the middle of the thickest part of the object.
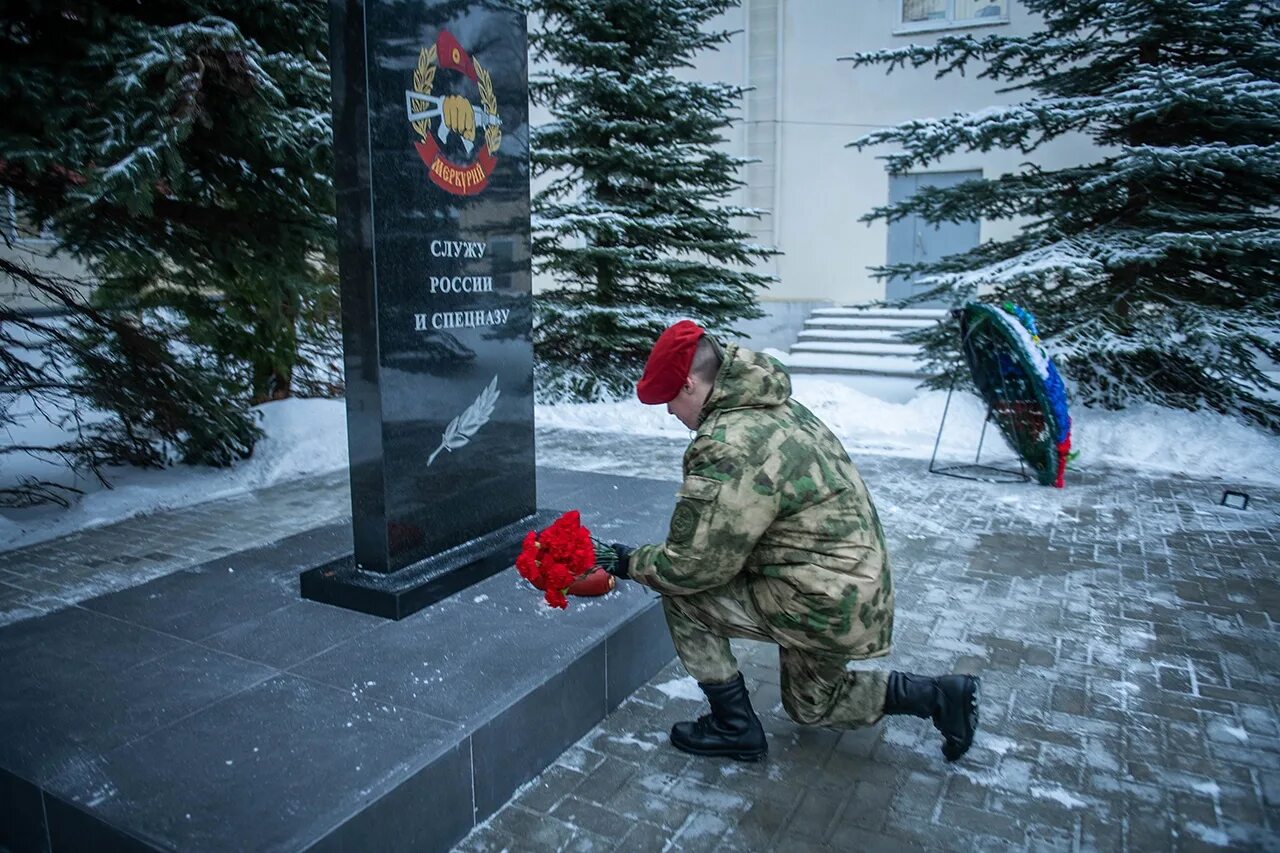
(431, 141)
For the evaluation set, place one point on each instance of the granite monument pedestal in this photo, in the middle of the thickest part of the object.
(212, 710)
(397, 594)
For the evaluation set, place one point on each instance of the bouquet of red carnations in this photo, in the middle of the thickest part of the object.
(564, 560)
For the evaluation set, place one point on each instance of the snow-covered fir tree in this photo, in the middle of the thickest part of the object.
(181, 149)
(162, 404)
(633, 228)
(1153, 269)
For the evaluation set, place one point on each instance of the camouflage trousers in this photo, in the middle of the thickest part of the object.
(817, 689)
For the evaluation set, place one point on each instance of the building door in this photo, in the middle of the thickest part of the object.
(912, 240)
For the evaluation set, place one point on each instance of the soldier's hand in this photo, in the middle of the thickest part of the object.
(460, 117)
(621, 569)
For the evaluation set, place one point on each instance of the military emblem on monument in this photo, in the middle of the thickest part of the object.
(437, 118)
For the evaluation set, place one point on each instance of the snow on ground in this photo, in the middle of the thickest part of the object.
(302, 437)
(681, 688)
(1147, 438)
(305, 437)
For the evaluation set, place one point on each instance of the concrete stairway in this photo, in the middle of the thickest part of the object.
(861, 341)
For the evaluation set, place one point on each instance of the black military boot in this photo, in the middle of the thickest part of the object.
(731, 730)
(951, 701)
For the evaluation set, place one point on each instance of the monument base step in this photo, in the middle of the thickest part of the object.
(396, 595)
(212, 709)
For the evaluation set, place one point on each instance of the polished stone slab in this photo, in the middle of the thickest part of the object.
(209, 599)
(22, 814)
(494, 640)
(212, 709)
(61, 718)
(434, 255)
(291, 634)
(289, 758)
(398, 594)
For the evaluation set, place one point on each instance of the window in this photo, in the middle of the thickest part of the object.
(18, 226)
(945, 14)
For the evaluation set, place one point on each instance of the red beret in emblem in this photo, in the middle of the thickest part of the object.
(668, 363)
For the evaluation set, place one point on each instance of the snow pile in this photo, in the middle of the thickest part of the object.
(629, 417)
(302, 438)
(681, 688)
(1197, 444)
(866, 424)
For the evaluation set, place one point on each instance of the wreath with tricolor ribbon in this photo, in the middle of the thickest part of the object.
(1017, 378)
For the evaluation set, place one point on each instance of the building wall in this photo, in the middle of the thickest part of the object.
(826, 187)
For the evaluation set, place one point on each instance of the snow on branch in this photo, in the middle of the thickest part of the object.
(1147, 95)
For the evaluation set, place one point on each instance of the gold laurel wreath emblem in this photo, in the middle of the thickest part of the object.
(424, 77)
(492, 133)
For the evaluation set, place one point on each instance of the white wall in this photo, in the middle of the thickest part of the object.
(824, 186)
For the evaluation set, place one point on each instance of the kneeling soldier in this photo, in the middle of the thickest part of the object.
(774, 538)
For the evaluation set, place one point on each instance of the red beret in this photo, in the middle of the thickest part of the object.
(668, 363)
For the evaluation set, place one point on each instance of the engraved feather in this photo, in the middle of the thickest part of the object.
(460, 430)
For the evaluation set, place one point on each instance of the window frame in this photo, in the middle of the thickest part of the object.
(903, 27)
(10, 225)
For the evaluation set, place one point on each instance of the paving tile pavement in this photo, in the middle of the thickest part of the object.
(51, 575)
(1126, 632)
(1125, 629)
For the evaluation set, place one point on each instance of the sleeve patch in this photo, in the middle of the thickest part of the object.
(696, 496)
(684, 521)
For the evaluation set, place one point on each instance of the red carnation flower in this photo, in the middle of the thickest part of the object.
(558, 558)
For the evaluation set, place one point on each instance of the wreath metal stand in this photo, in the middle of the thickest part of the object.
(993, 473)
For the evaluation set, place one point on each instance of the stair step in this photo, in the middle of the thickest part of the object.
(857, 348)
(868, 365)
(888, 323)
(862, 336)
(882, 313)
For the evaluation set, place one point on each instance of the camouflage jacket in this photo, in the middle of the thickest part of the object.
(769, 492)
